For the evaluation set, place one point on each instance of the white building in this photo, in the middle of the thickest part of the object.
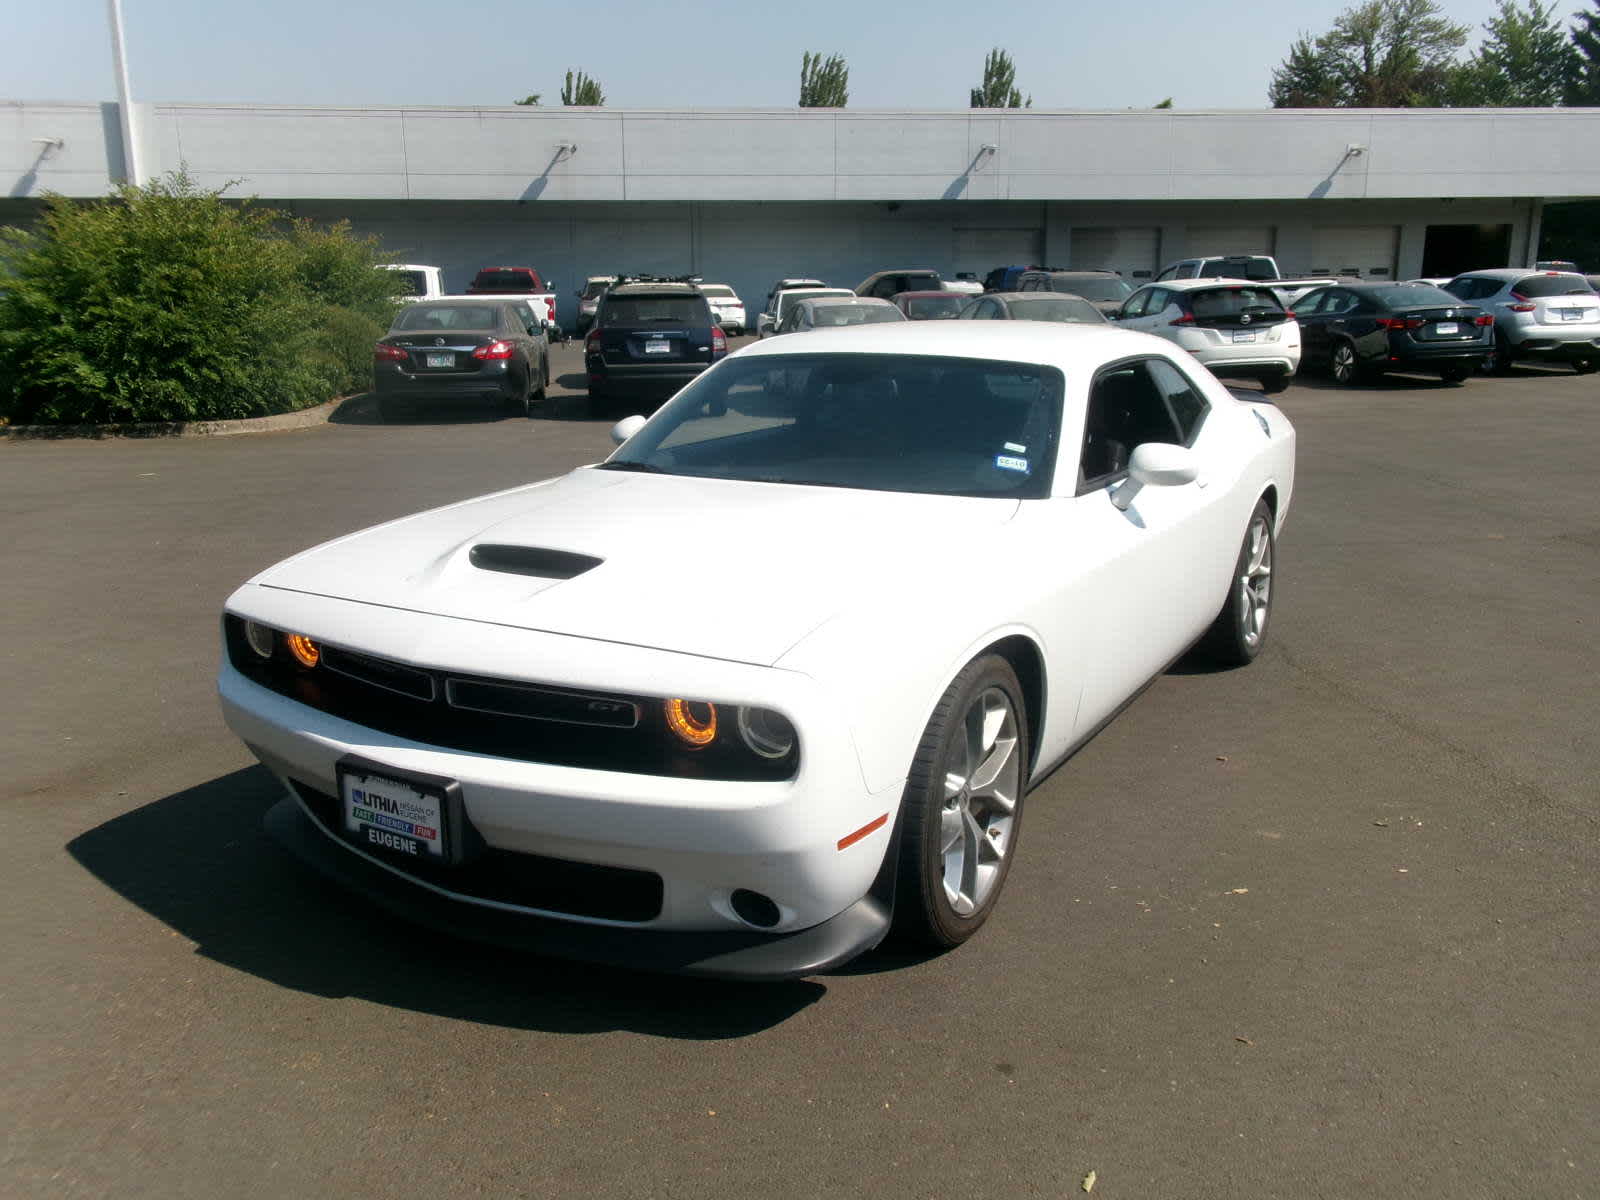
(747, 196)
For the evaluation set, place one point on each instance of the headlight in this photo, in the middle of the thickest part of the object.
(261, 638)
(767, 733)
(693, 721)
(304, 649)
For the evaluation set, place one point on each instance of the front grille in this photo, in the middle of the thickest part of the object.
(526, 880)
(527, 722)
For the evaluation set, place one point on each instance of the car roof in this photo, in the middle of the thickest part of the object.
(706, 283)
(1511, 273)
(926, 295)
(655, 289)
(1190, 285)
(1086, 273)
(847, 302)
(831, 291)
(1040, 342)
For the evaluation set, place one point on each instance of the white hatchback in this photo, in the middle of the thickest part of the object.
(1237, 328)
(1549, 315)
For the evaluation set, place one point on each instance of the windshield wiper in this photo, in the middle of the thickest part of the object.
(624, 464)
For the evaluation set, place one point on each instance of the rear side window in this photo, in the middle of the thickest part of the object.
(1537, 286)
(1183, 398)
(645, 310)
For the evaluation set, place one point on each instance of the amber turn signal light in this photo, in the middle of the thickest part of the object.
(304, 649)
(693, 721)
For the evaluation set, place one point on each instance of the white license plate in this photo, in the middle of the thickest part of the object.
(1571, 314)
(389, 814)
(1447, 327)
(441, 360)
(1244, 337)
(658, 347)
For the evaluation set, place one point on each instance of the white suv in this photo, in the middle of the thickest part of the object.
(1549, 315)
(726, 307)
(1237, 328)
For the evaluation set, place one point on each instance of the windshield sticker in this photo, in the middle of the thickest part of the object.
(1007, 463)
(1016, 449)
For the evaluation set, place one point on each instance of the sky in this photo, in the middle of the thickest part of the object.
(1068, 53)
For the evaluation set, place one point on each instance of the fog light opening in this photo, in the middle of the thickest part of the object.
(755, 909)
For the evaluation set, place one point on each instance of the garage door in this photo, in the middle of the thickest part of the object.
(1129, 249)
(982, 250)
(1365, 250)
(1208, 240)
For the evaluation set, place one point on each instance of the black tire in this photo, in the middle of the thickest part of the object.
(1346, 366)
(537, 395)
(1585, 366)
(1499, 360)
(1241, 626)
(1273, 384)
(1454, 373)
(924, 910)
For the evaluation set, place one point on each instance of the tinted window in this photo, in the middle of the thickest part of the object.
(884, 422)
(1311, 303)
(1414, 295)
(825, 315)
(506, 279)
(1030, 283)
(478, 318)
(1252, 267)
(1093, 287)
(1217, 303)
(1182, 397)
(1125, 411)
(594, 288)
(1536, 286)
(641, 310)
(1056, 308)
(412, 283)
(925, 308)
(1136, 305)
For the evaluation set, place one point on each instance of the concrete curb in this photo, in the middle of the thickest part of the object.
(303, 419)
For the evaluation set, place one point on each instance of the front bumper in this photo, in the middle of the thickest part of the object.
(721, 955)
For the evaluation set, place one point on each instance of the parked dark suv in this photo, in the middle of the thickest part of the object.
(886, 285)
(1357, 331)
(648, 340)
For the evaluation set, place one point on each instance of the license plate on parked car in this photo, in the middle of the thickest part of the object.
(658, 347)
(1571, 314)
(1244, 337)
(441, 360)
(405, 818)
(1447, 327)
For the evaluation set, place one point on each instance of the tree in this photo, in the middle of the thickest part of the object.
(580, 90)
(1525, 61)
(1167, 103)
(823, 83)
(1583, 84)
(530, 100)
(999, 83)
(1379, 54)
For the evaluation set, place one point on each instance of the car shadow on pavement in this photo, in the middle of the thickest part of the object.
(365, 410)
(200, 862)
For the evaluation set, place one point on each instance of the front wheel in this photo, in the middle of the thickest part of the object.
(1584, 366)
(963, 805)
(538, 387)
(1499, 360)
(1240, 629)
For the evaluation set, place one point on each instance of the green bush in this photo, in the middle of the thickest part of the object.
(170, 303)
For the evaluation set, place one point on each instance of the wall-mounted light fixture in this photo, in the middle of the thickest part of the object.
(1354, 150)
(566, 149)
(51, 143)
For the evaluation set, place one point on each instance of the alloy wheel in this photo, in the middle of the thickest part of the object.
(982, 784)
(1344, 364)
(1255, 582)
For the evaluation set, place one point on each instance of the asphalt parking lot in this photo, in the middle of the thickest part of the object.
(1324, 927)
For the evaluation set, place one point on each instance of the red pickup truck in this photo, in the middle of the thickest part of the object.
(525, 282)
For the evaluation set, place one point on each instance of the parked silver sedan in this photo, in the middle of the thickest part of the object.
(833, 312)
(1033, 306)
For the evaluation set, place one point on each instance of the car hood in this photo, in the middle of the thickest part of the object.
(718, 568)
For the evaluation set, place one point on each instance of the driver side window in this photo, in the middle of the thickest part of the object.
(1126, 409)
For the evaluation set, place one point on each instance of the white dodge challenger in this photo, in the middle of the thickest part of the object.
(779, 673)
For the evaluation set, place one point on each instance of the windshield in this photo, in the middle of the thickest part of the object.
(787, 300)
(934, 308)
(1056, 308)
(1535, 286)
(1095, 288)
(595, 287)
(643, 310)
(824, 315)
(1415, 295)
(476, 317)
(882, 422)
(518, 278)
(1239, 268)
(717, 290)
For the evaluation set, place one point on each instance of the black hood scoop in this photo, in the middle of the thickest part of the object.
(531, 560)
